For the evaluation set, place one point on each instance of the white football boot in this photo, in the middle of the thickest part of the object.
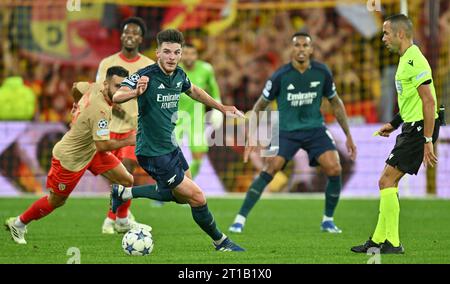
(17, 234)
(108, 226)
(123, 228)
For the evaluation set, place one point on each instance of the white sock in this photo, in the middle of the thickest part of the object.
(127, 195)
(19, 223)
(218, 242)
(240, 219)
(326, 218)
(122, 221)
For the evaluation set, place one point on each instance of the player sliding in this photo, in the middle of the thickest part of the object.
(84, 147)
(158, 88)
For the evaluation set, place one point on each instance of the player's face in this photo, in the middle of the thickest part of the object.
(302, 48)
(189, 56)
(113, 84)
(390, 40)
(169, 54)
(131, 36)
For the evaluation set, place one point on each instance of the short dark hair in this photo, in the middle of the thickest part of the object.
(400, 20)
(137, 21)
(170, 35)
(116, 70)
(305, 34)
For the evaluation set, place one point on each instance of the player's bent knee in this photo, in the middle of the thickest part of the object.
(198, 199)
(385, 182)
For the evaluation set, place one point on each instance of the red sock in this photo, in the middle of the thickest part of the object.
(111, 215)
(122, 210)
(37, 210)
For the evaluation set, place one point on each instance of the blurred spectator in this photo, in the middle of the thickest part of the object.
(255, 44)
(444, 60)
(256, 72)
(55, 102)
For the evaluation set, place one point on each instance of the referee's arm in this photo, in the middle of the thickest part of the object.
(428, 108)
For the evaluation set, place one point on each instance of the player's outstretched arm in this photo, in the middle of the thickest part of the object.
(114, 144)
(200, 95)
(341, 116)
(250, 141)
(124, 94)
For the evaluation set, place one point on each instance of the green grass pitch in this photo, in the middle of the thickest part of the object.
(278, 231)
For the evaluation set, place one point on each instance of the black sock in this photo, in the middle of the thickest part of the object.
(203, 217)
(151, 191)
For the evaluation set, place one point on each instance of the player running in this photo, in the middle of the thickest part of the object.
(158, 88)
(84, 147)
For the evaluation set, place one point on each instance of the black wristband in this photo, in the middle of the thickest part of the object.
(396, 121)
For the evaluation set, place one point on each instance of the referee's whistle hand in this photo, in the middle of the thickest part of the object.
(386, 130)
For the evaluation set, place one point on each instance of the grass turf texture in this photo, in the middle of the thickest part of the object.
(278, 231)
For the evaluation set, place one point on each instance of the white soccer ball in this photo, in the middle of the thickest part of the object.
(137, 242)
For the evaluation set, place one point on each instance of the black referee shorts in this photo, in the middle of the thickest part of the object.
(407, 155)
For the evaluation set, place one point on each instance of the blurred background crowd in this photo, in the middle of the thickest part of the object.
(45, 48)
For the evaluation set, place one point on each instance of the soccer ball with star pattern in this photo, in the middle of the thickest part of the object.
(137, 242)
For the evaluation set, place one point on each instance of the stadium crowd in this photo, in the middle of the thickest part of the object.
(245, 55)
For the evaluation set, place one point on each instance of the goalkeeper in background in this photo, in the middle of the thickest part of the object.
(201, 74)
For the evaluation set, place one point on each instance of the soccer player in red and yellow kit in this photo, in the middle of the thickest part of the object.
(84, 147)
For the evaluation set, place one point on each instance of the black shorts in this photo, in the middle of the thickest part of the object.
(314, 141)
(407, 155)
(168, 170)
